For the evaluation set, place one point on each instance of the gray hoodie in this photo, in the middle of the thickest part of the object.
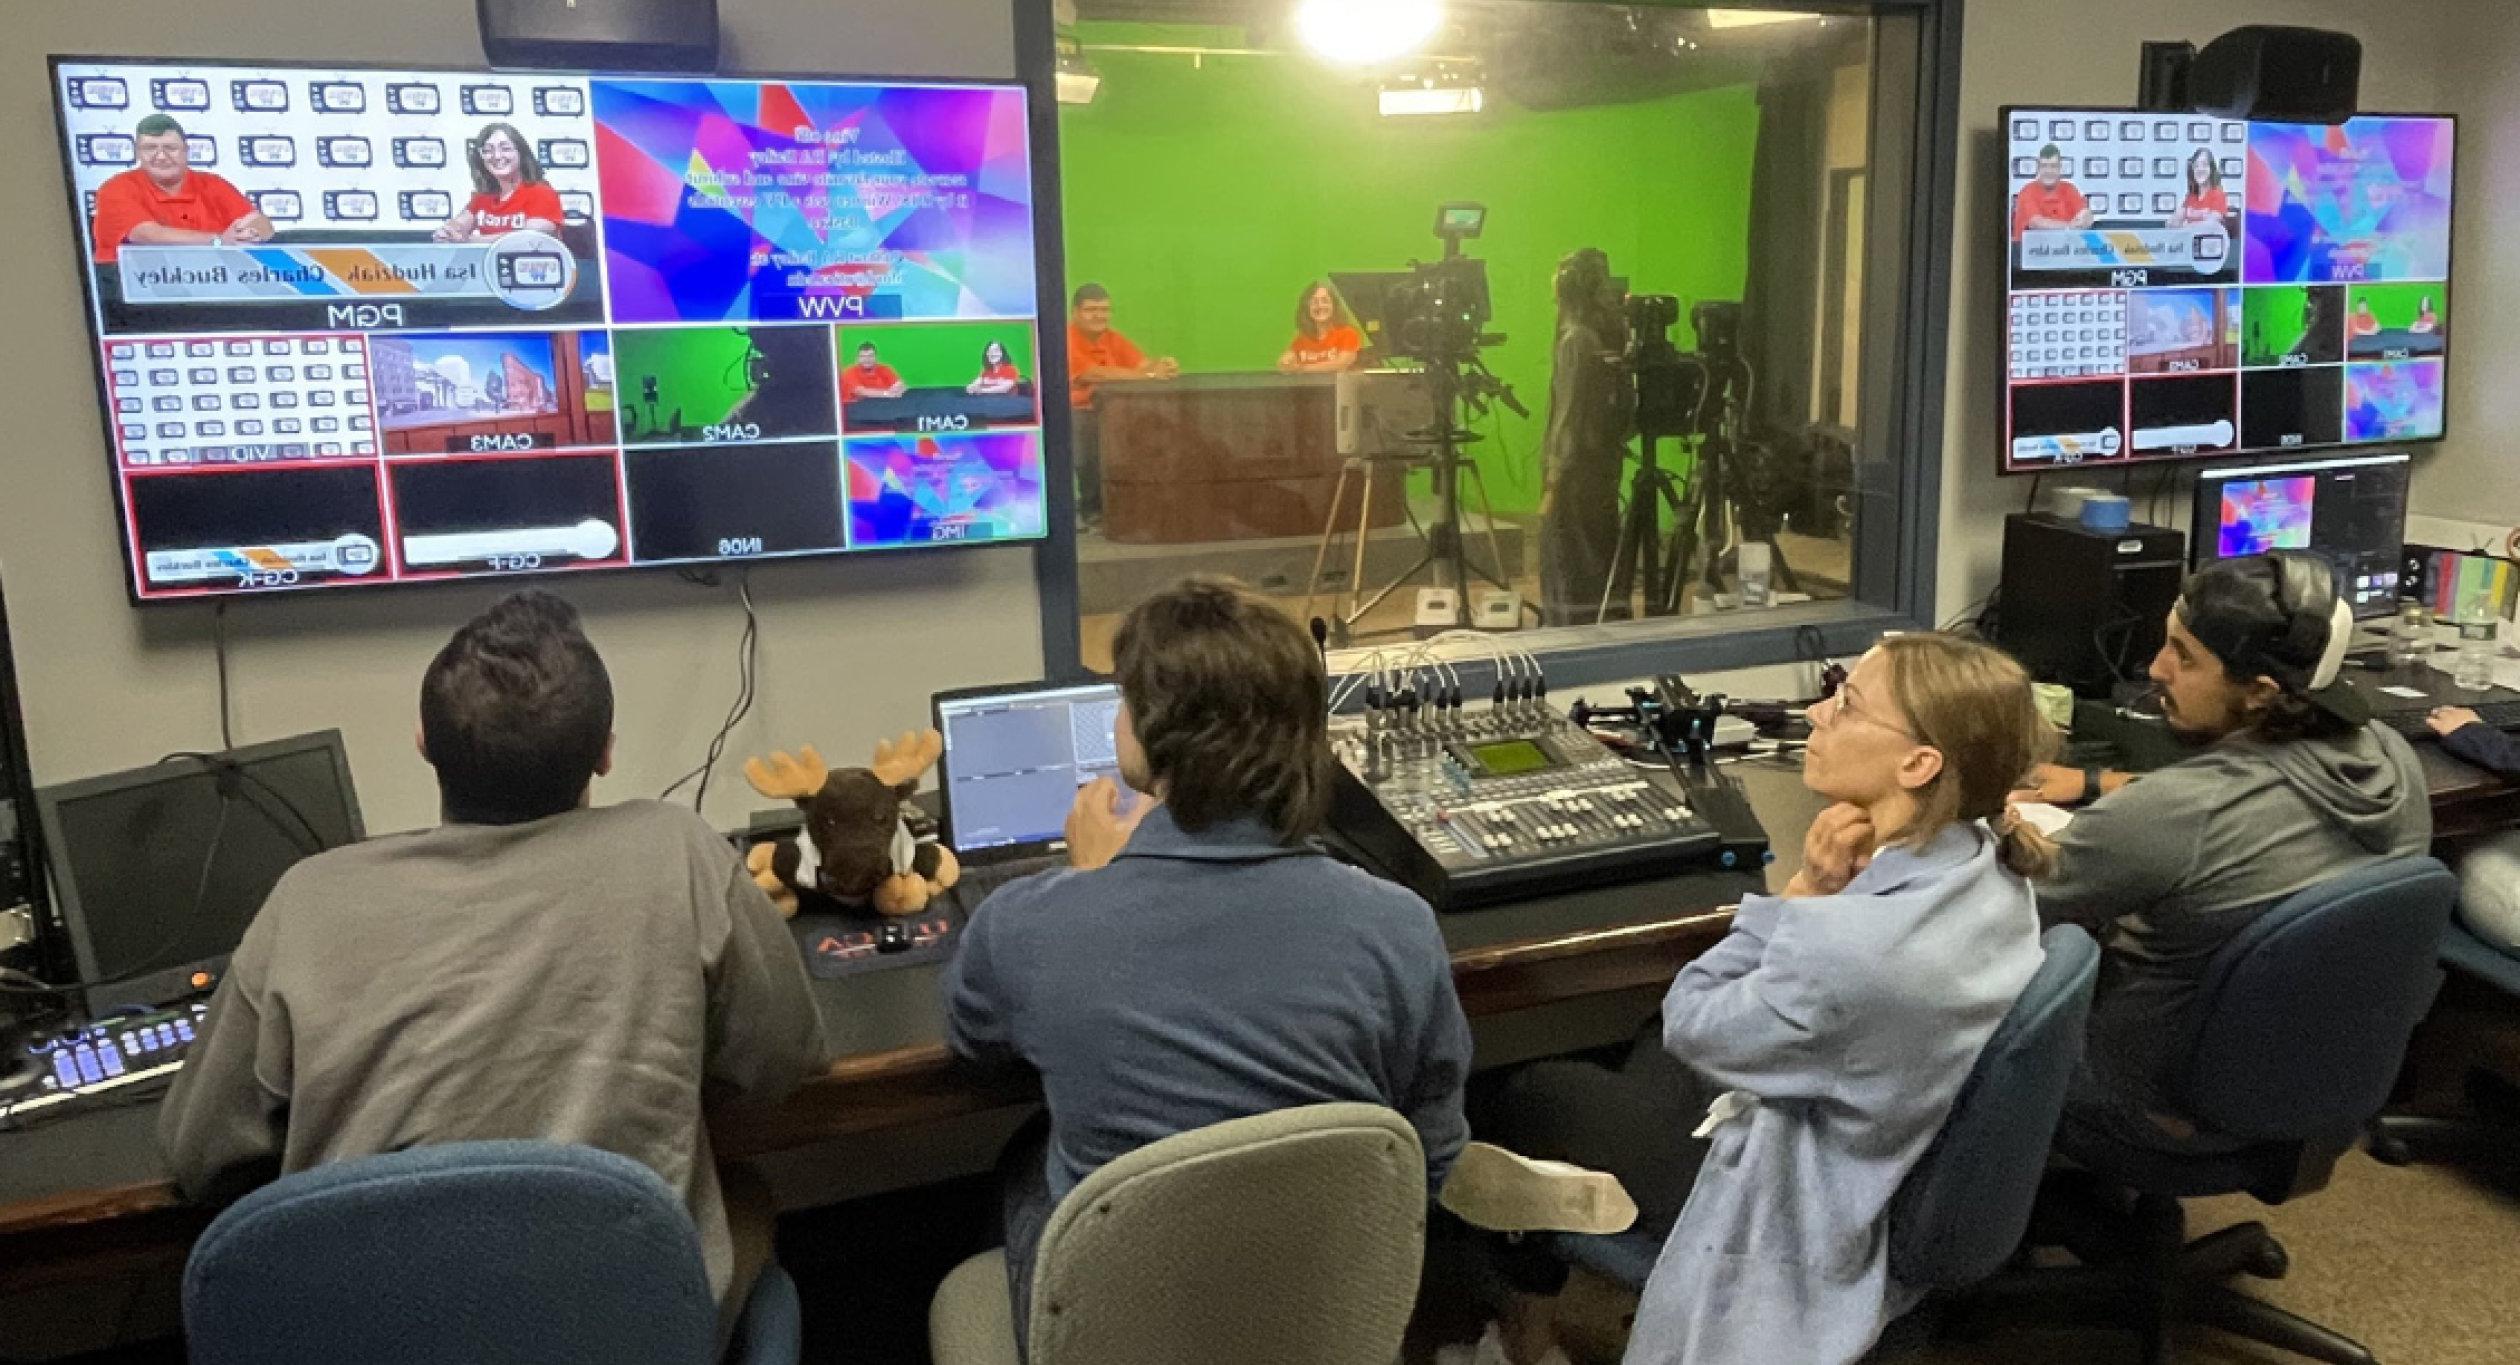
(2167, 869)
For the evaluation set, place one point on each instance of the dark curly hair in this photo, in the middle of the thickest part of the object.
(1227, 697)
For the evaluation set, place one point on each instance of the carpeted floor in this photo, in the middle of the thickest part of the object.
(2418, 1264)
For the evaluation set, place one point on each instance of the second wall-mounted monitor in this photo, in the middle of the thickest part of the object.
(2179, 286)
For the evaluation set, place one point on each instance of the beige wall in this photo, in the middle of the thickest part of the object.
(2476, 474)
(2075, 52)
(850, 648)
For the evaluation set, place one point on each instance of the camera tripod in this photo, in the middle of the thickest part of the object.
(1703, 513)
(1446, 552)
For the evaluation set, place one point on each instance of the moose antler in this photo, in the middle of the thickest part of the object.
(904, 759)
(787, 778)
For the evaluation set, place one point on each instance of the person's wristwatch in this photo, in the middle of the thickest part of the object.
(2091, 785)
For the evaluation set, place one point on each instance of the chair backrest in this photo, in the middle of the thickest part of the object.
(2304, 1017)
(1289, 1236)
(1962, 1212)
(482, 1252)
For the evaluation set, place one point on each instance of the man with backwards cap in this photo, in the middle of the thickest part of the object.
(2291, 785)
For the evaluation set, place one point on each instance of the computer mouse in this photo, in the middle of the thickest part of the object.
(894, 938)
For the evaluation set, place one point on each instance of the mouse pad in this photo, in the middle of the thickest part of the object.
(844, 944)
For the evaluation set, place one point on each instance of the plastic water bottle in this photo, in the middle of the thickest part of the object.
(2475, 670)
(2410, 644)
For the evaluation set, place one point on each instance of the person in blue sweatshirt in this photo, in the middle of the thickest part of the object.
(1203, 959)
(2489, 873)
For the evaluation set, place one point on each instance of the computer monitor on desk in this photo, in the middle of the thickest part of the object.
(1014, 759)
(2350, 511)
(21, 844)
(157, 871)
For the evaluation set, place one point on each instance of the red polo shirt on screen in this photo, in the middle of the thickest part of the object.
(2061, 202)
(1002, 373)
(203, 203)
(497, 217)
(857, 379)
(1087, 353)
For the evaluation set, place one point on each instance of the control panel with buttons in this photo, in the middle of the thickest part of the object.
(109, 1056)
(1472, 807)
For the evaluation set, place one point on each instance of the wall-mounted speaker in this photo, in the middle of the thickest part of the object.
(2282, 75)
(601, 35)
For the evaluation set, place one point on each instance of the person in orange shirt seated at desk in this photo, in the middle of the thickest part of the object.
(2050, 202)
(1322, 344)
(997, 371)
(870, 377)
(509, 191)
(1097, 354)
(163, 201)
(2206, 202)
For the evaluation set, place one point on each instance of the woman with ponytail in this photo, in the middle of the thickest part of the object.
(1817, 1050)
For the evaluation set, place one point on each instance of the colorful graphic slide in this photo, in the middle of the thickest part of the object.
(2367, 201)
(736, 200)
(2266, 514)
(919, 490)
(2395, 401)
(490, 393)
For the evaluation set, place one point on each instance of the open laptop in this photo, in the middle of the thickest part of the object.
(1014, 759)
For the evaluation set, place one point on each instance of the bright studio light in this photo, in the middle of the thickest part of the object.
(1752, 18)
(1367, 32)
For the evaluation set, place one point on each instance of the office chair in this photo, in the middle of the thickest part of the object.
(2398, 1138)
(2299, 1033)
(491, 1253)
(1290, 1236)
(1960, 1215)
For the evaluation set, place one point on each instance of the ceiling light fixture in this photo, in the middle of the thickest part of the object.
(1367, 32)
(1753, 18)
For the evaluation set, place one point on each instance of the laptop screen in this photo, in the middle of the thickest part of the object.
(1014, 760)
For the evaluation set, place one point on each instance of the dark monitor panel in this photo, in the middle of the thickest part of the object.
(2350, 511)
(157, 871)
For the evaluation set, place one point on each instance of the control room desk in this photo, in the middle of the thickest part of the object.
(86, 1197)
(1208, 457)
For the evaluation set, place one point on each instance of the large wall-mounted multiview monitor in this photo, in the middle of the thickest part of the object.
(363, 326)
(2180, 286)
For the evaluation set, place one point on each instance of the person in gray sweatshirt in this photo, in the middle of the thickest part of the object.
(533, 967)
(2291, 784)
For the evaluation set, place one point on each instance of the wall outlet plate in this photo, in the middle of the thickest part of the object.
(1497, 610)
(1438, 607)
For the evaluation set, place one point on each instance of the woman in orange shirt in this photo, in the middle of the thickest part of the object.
(1323, 344)
(509, 192)
(997, 371)
(2205, 202)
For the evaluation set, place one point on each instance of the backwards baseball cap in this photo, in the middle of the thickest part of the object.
(2278, 616)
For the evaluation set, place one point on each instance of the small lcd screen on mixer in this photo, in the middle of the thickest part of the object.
(1510, 757)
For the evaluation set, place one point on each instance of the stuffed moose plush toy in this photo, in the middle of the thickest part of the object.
(857, 850)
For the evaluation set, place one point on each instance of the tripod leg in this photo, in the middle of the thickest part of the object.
(1687, 518)
(1503, 577)
(1784, 569)
(1329, 532)
(1623, 560)
(1364, 538)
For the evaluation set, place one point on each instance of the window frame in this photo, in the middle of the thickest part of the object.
(1916, 72)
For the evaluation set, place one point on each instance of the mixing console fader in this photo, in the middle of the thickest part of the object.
(1472, 807)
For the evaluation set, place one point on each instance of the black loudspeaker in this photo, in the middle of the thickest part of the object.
(2087, 608)
(2283, 75)
(601, 35)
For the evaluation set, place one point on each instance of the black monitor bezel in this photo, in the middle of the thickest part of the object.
(175, 981)
(1048, 306)
(2001, 180)
(1028, 848)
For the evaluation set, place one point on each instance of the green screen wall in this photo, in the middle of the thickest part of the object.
(1205, 195)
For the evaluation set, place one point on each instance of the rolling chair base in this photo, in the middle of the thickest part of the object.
(2164, 1280)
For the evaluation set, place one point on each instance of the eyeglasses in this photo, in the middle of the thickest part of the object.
(1831, 712)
